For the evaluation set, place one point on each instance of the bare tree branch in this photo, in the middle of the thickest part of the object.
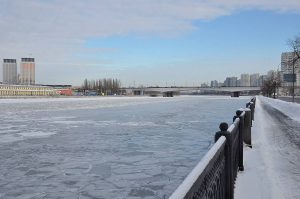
(295, 46)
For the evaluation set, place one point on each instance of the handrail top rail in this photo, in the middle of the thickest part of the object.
(192, 177)
(243, 111)
(233, 125)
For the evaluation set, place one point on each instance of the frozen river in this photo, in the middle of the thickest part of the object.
(127, 147)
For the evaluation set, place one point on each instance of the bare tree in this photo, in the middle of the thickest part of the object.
(295, 46)
(271, 85)
(85, 85)
(102, 86)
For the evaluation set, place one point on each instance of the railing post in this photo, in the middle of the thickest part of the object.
(247, 127)
(253, 100)
(252, 111)
(241, 132)
(248, 105)
(228, 159)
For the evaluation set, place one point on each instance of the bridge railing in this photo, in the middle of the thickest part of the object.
(215, 175)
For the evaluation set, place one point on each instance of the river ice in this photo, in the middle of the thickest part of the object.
(117, 147)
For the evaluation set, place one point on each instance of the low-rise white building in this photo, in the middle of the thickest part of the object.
(25, 90)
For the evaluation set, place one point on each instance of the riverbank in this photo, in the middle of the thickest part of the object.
(272, 166)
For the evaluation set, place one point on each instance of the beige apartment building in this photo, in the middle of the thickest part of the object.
(27, 76)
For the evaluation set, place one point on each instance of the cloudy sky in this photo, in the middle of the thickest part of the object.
(148, 42)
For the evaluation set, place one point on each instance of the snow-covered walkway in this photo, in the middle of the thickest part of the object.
(272, 166)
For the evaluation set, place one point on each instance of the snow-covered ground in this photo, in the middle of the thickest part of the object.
(290, 109)
(272, 166)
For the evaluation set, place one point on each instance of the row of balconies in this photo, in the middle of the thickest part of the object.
(6, 90)
(24, 88)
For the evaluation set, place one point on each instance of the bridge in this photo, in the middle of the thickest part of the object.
(171, 91)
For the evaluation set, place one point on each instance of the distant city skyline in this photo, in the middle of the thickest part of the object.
(148, 42)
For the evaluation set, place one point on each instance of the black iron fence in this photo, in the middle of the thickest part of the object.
(215, 175)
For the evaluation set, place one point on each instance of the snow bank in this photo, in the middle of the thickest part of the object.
(288, 108)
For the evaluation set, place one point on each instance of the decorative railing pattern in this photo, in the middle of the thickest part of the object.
(207, 179)
(215, 174)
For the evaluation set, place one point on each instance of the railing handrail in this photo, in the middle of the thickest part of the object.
(215, 175)
(192, 177)
(234, 125)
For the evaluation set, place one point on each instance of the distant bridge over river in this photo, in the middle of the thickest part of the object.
(171, 91)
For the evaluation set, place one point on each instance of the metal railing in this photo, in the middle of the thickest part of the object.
(215, 175)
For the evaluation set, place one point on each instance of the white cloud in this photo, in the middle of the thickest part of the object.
(55, 30)
(61, 22)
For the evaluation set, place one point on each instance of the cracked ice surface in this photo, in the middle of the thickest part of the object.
(136, 147)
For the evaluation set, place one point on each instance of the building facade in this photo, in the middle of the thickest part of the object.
(10, 74)
(254, 80)
(230, 82)
(214, 84)
(7, 90)
(27, 76)
(245, 80)
(238, 83)
(287, 69)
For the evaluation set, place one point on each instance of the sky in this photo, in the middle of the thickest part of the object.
(147, 42)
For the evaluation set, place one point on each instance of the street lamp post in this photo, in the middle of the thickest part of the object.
(293, 83)
(295, 59)
(278, 80)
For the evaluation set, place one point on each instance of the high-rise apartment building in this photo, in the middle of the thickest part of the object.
(214, 84)
(287, 68)
(254, 79)
(230, 82)
(10, 75)
(245, 80)
(262, 80)
(238, 83)
(27, 76)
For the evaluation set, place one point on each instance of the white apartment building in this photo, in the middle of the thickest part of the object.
(262, 80)
(287, 68)
(214, 84)
(7, 90)
(245, 80)
(230, 82)
(254, 79)
(10, 74)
